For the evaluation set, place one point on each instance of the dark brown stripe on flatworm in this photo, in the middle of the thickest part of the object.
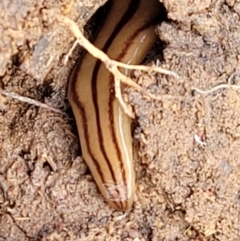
(82, 111)
(112, 90)
(125, 18)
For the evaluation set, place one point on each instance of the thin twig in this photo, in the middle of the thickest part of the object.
(145, 68)
(28, 100)
(113, 65)
(218, 87)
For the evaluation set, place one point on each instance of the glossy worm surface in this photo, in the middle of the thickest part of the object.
(104, 129)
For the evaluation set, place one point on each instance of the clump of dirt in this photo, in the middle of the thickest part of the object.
(187, 151)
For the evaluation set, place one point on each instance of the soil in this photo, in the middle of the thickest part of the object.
(187, 145)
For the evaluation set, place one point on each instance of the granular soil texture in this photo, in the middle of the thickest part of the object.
(186, 144)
